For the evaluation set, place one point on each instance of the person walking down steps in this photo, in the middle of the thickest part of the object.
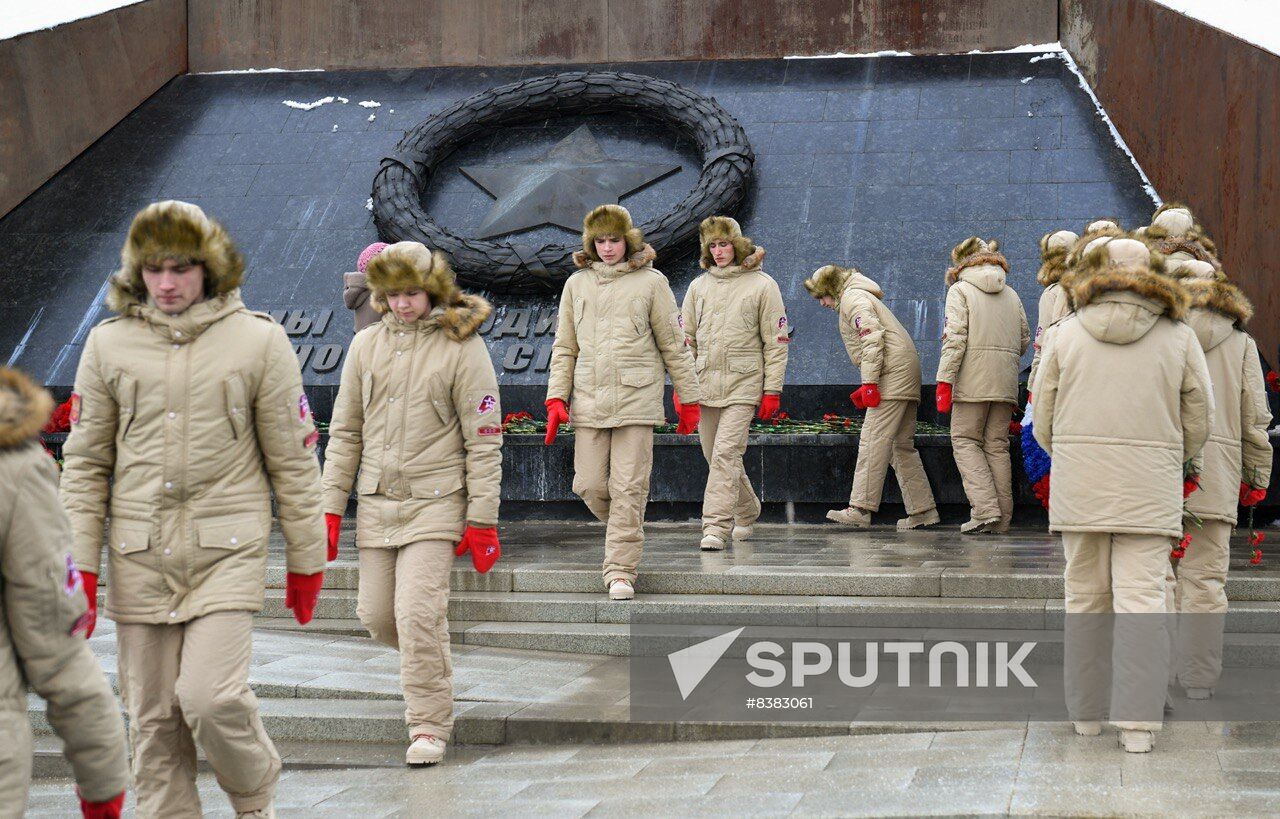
(618, 333)
(882, 349)
(983, 340)
(736, 325)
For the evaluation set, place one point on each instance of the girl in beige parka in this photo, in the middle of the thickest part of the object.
(882, 349)
(618, 331)
(1054, 304)
(985, 336)
(736, 325)
(418, 420)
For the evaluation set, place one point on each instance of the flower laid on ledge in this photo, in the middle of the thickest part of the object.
(1180, 551)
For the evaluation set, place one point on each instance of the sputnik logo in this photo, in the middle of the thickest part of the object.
(690, 665)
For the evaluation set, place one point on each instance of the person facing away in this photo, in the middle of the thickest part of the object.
(418, 419)
(188, 418)
(1123, 402)
(44, 619)
(736, 325)
(355, 288)
(882, 349)
(618, 332)
(984, 338)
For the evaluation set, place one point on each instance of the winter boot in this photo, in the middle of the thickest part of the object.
(425, 750)
(919, 520)
(712, 543)
(621, 589)
(1087, 728)
(850, 516)
(1198, 693)
(975, 527)
(742, 531)
(269, 812)
(1137, 742)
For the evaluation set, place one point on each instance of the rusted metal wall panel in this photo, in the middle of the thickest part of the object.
(64, 87)
(1200, 109)
(400, 33)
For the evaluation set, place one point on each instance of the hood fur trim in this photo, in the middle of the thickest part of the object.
(971, 246)
(463, 318)
(974, 260)
(411, 266)
(1194, 244)
(614, 220)
(24, 408)
(723, 227)
(1077, 250)
(178, 231)
(1103, 224)
(1220, 297)
(644, 256)
(1097, 275)
(1054, 248)
(828, 280)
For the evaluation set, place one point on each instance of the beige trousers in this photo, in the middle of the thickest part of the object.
(1200, 598)
(980, 443)
(888, 439)
(188, 683)
(611, 470)
(729, 498)
(1116, 646)
(403, 600)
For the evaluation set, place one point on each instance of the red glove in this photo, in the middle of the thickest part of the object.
(483, 545)
(869, 395)
(557, 414)
(109, 809)
(856, 398)
(1250, 496)
(769, 405)
(690, 415)
(1190, 485)
(334, 524)
(943, 395)
(675, 399)
(301, 593)
(90, 582)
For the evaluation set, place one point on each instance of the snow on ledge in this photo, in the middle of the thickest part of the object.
(1256, 22)
(1026, 48)
(258, 71)
(26, 16)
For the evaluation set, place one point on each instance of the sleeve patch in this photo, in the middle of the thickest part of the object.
(486, 404)
(489, 431)
(74, 415)
(782, 323)
(784, 339)
(304, 409)
(73, 584)
(312, 438)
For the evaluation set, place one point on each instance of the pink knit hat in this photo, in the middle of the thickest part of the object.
(368, 253)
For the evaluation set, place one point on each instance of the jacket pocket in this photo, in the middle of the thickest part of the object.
(636, 377)
(237, 409)
(441, 401)
(435, 486)
(128, 537)
(136, 580)
(744, 364)
(127, 402)
(229, 532)
(366, 393)
(640, 316)
(367, 483)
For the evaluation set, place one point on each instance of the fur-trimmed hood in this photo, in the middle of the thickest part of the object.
(613, 220)
(1096, 229)
(749, 264)
(723, 227)
(411, 266)
(179, 231)
(985, 265)
(24, 408)
(1220, 297)
(459, 321)
(830, 280)
(1054, 248)
(644, 257)
(1120, 290)
(1175, 229)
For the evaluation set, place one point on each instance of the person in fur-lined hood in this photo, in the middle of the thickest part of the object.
(418, 419)
(188, 416)
(1234, 468)
(983, 340)
(618, 332)
(881, 348)
(355, 288)
(736, 325)
(1054, 248)
(43, 620)
(1123, 401)
(1175, 232)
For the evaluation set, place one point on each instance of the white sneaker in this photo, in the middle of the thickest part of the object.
(1087, 728)
(1137, 742)
(712, 543)
(425, 750)
(621, 589)
(269, 812)
(742, 532)
(1198, 693)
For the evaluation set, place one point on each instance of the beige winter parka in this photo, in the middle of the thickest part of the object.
(1054, 304)
(418, 417)
(986, 330)
(41, 603)
(1238, 448)
(618, 331)
(184, 427)
(1123, 399)
(736, 325)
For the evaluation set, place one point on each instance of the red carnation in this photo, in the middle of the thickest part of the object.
(1190, 485)
(1273, 381)
(1015, 428)
(1256, 539)
(1257, 557)
(60, 421)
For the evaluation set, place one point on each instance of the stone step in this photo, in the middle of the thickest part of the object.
(335, 723)
(336, 611)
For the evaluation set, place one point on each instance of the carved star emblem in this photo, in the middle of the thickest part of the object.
(561, 186)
